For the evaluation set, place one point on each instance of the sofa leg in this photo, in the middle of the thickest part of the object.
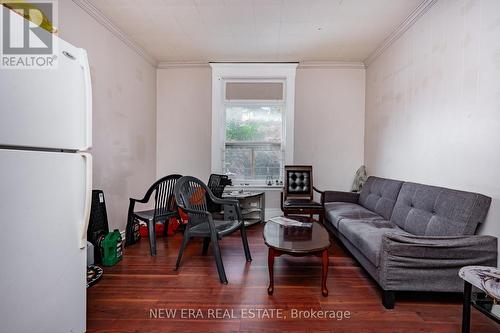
(388, 299)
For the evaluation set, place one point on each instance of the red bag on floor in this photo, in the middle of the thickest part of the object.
(173, 225)
(143, 230)
(159, 228)
(184, 216)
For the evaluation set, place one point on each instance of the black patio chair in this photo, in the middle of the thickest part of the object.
(165, 207)
(190, 195)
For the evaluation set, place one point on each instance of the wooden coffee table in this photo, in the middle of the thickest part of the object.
(298, 242)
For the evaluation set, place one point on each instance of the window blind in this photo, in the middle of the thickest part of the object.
(265, 91)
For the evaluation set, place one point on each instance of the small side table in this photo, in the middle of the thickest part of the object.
(252, 204)
(487, 280)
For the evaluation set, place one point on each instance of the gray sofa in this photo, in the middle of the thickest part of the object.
(411, 237)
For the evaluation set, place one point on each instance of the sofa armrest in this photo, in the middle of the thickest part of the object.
(338, 196)
(432, 262)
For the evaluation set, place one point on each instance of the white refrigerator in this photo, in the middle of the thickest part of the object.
(45, 194)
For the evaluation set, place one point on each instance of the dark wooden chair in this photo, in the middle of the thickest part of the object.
(297, 197)
(164, 209)
(191, 195)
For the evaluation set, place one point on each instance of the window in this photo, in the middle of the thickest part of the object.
(252, 121)
(253, 141)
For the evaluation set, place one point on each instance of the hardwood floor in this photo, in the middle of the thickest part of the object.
(141, 286)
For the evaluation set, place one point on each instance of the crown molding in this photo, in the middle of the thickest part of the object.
(410, 20)
(178, 64)
(331, 65)
(301, 65)
(92, 10)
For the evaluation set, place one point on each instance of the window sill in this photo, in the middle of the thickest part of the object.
(255, 187)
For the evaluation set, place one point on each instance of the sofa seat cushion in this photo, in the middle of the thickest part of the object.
(336, 211)
(367, 236)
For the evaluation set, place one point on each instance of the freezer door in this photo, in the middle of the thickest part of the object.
(48, 108)
(42, 212)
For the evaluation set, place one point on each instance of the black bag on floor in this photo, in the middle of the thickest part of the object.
(98, 224)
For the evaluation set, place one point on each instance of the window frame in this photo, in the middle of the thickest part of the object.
(254, 72)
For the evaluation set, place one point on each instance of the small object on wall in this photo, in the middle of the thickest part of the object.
(112, 248)
(359, 179)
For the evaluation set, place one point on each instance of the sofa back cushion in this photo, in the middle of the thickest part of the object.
(379, 195)
(425, 210)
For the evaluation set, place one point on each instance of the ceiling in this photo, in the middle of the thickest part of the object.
(257, 30)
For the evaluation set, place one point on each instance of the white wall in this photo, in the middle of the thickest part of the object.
(184, 118)
(433, 103)
(329, 124)
(124, 111)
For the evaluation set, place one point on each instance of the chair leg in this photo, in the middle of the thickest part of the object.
(218, 260)
(244, 239)
(152, 237)
(185, 240)
(206, 242)
(466, 307)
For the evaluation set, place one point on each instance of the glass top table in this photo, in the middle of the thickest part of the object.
(296, 241)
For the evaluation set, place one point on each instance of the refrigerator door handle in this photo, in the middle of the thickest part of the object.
(84, 61)
(88, 198)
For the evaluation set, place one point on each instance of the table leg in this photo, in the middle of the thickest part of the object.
(262, 208)
(466, 307)
(270, 265)
(324, 289)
